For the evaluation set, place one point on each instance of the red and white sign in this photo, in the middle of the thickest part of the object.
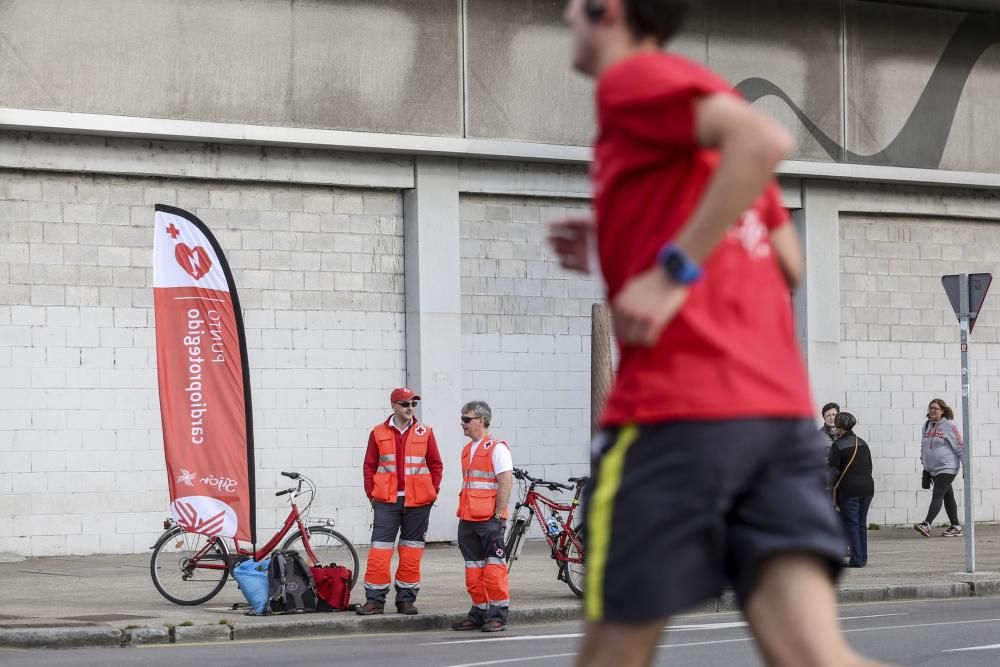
(203, 380)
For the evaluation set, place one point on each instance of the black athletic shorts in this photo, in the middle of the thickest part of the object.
(676, 511)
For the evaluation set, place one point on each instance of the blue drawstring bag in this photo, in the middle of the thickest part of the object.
(251, 577)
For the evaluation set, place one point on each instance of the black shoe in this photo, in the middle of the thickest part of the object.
(370, 609)
(465, 624)
(494, 626)
(406, 608)
(922, 528)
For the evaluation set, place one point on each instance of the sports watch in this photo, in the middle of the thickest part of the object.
(679, 267)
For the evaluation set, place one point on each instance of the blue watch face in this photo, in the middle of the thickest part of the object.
(680, 269)
(675, 266)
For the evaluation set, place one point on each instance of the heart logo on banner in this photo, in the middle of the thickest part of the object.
(194, 261)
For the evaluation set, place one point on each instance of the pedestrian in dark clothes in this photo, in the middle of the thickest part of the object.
(851, 463)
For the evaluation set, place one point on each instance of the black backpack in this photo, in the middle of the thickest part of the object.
(292, 589)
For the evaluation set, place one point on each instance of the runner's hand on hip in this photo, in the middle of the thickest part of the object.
(645, 306)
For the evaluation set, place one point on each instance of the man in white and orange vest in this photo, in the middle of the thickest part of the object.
(402, 477)
(487, 479)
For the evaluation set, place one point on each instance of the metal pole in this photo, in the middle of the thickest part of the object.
(970, 525)
(600, 362)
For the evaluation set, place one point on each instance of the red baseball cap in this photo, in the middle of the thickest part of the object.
(403, 394)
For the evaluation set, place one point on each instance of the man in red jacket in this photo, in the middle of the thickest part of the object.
(402, 477)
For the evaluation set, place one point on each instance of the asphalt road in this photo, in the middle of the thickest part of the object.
(948, 632)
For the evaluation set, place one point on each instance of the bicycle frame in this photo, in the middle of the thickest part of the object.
(294, 518)
(534, 501)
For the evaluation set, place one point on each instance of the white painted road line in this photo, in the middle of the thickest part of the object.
(924, 625)
(509, 660)
(988, 647)
(707, 626)
(671, 628)
(519, 638)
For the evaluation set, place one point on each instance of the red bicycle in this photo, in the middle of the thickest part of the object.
(190, 568)
(565, 539)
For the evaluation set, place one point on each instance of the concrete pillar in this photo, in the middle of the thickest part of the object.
(817, 301)
(432, 273)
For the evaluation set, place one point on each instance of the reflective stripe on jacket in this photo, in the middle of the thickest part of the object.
(478, 498)
(419, 486)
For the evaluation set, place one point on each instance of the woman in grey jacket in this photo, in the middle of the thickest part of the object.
(941, 455)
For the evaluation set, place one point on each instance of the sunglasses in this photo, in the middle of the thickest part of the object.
(406, 404)
(466, 420)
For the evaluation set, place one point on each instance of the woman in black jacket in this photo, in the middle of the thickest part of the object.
(854, 487)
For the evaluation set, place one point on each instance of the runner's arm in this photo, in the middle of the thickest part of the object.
(750, 146)
(785, 242)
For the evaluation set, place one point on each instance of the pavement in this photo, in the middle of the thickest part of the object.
(77, 601)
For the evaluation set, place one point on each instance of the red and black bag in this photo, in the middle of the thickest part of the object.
(333, 587)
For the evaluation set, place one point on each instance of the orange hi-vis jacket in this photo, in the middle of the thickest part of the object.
(478, 498)
(419, 485)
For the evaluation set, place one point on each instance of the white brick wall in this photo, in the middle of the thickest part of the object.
(319, 272)
(526, 332)
(900, 347)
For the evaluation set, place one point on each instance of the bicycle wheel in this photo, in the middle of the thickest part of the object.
(329, 547)
(515, 540)
(180, 579)
(573, 566)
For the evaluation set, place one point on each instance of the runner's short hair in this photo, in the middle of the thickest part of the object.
(828, 407)
(657, 18)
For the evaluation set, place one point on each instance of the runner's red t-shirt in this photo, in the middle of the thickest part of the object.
(731, 351)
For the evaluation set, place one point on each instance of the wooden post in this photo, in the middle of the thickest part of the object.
(600, 362)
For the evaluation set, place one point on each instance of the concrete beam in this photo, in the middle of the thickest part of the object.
(177, 159)
(817, 300)
(104, 125)
(433, 278)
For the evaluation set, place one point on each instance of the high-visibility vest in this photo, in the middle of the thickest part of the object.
(417, 480)
(478, 498)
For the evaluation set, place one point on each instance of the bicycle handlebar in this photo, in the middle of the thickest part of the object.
(291, 475)
(281, 493)
(523, 474)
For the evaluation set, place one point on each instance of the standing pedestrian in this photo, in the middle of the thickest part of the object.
(854, 487)
(829, 429)
(941, 456)
(708, 426)
(402, 475)
(487, 480)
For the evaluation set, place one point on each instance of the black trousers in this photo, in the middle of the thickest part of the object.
(943, 493)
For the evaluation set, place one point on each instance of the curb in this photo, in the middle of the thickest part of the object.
(959, 589)
(346, 623)
(311, 625)
(61, 637)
